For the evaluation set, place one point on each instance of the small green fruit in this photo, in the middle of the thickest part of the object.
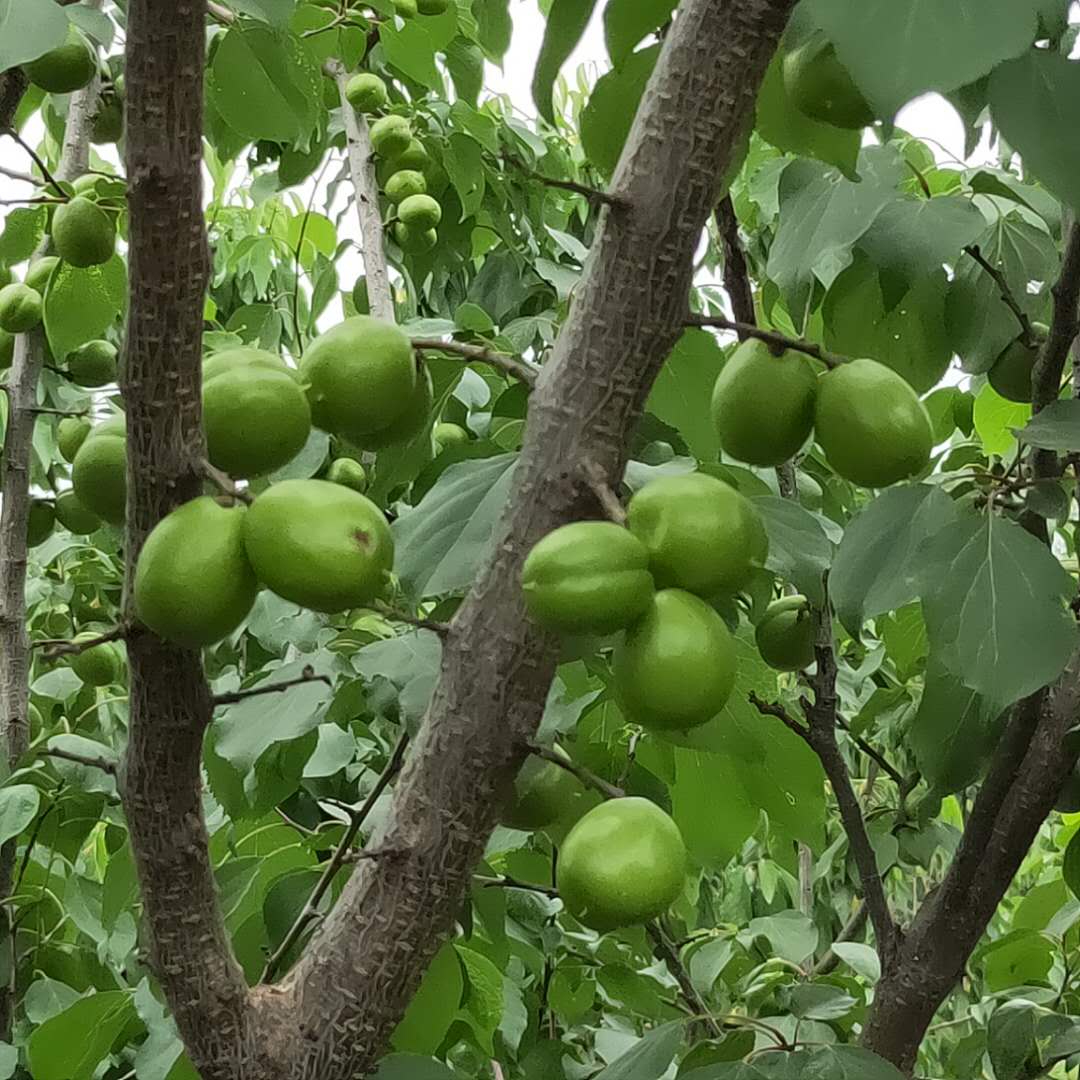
(410, 423)
(318, 544)
(675, 668)
(390, 135)
(448, 435)
(97, 666)
(7, 350)
(403, 185)
(588, 577)
(93, 364)
(622, 864)
(763, 405)
(406, 8)
(229, 359)
(37, 277)
(256, 419)
(414, 157)
(82, 233)
(420, 213)
(39, 523)
(409, 239)
(366, 93)
(361, 377)
(75, 517)
(542, 793)
(71, 433)
(99, 473)
(108, 123)
(822, 88)
(785, 635)
(432, 7)
(702, 535)
(1011, 374)
(871, 424)
(20, 308)
(349, 473)
(193, 582)
(65, 69)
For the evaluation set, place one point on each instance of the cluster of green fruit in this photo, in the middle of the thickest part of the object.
(869, 421)
(404, 160)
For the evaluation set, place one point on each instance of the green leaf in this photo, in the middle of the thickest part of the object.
(72, 1044)
(82, 304)
(862, 959)
(272, 11)
(410, 662)
(18, 806)
(954, 731)
(484, 998)
(1040, 905)
(566, 22)
(877, 562)
(9, 1060)
(683, 389)
(799, 550)
(1057, 427)
(412, 47)
(996, 418)
(997, 600)
(493, 26)
(465, 62)
(1010, 1039)
(413, 1067)
(848, 1063)
(791, 935)
(29, 28)
(782, 124)
(1033, 101)
(23, 229)
(818, 1001)
(1070, 869)
(433, 1007)
(607, 118)
(648, 1059)
(265, 85)
(465, 167)
(1021, 958)
(898, 49)
(626, 22)
(440, 542)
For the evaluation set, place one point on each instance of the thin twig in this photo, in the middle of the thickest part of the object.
(337, 860)
(396, 615)
(54, 648)
(1027, 330)
(667, 952)
(106, 765)
(508, 882)
(851, 929)
(49, 178)
(590, 779)
(307, 676)
(874, 755)
(13, 174)
(224, 484)
(775, 709)
(38, 411)
(480, 354)
(605, 496)
(594, 195)
(770, 337)
(736, 272)
(218, 11)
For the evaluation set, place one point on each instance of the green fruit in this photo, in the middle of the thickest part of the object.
(403, 185)
(871, 424)
(406, 8)
(432, 7)
(622, 864)
(39, 523)
(318, 544)
(409, 239)
(229, 359)
(675, 668)
(366, 93)
(256, 420)
(37, 277)
(349, 473)
(99, 474)
(763, 405)
(821, 87)
(82, 233)
(108, 123)
(588, 577)
(1068, 800)
(413, 158)
(410, 423)
(361, 376)
(701, 534)
(785, 635)
(93, 364)
(20, 308)
(7, 350)
(1011, 374)
(193, 582)
(542, 793)
(75, 517)
(420, 213)
(447, 435)
(65, 69)
(390, 135)
(97, 666)
(71, 433)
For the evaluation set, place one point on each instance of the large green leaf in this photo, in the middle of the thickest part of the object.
(1033, 101)
(493, 26)
(272, 11)
(682, 391)
(18, 805)
(72, 1044)
(626, 22)
(566, 22)
(29, 28)
(412, 47)
(997, 419)
(23, 229)
(1010, 1039)
(1057, 427)
(82, 304)
(607, 118)
(1021, 958)
(650, 1058)
(898, 49)
(996, 603)
(799, 550)
(433, 1007)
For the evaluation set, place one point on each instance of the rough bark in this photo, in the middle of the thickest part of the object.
(169, 698)
(357, 975)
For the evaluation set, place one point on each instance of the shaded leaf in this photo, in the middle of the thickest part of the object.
(29, 28)
(626, 22)
(566, 22)
(82, 303)
(649, 1058)
(1056, 427)
(72, 1044)
(607, 118)
(682, 391)
(1010, 1039)
(18, 805)
(799, 550)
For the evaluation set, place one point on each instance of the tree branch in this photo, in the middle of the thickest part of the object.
(234, 696)
(850, 930)
(588, 778)
(362, 171)
(770, 337)
(670, 955)
(106, 765)
(223, 482)
(497, 667)
(594, 195)
(1027, 330)
(481, 354)
(1064, 325)
(44, 169)
(54, 648)
(736, 273)
(396, 615)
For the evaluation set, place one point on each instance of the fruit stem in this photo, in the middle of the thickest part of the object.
(598, 485)
(221, 481)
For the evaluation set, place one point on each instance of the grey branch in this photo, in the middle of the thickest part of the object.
(54, 648)
(397, 615)
(480, 354)
(1027, 330)
(588, 778)
(106, 765)
(770, 337)
(307, 676)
